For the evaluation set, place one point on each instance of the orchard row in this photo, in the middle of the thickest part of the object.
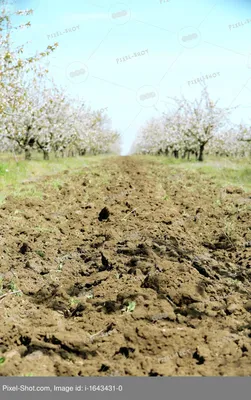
(194, 128)
(35, 114)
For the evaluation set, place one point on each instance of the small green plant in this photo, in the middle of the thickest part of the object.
(2, 360)
(40, 253)
(60, 267)
(218, 202)
(13, 288)
(74, 301)
(130, 307)
(57, 184)
(3, 169)
(89, 295)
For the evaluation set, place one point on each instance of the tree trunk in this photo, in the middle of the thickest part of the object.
(27, 153)
(201, 150)
(188, 155)
(46, 155)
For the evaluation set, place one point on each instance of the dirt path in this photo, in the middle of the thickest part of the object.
(157, 283)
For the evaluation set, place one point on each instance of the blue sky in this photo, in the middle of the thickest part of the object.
(179, 41)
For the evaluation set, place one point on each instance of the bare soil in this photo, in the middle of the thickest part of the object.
(131, 268)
